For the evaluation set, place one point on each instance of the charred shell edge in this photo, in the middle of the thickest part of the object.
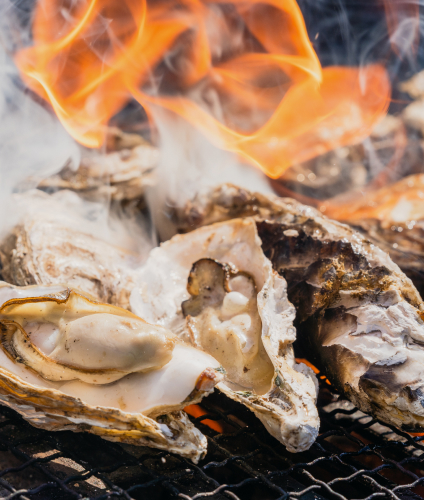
(262, 406)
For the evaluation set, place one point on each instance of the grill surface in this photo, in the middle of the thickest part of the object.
(354, 457)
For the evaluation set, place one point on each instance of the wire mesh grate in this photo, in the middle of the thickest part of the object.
(354, 457)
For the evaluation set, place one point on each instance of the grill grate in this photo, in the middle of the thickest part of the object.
(354, 457)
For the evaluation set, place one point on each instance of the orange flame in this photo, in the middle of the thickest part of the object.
(197, 411)
(246, 75)
(314, 369)
(400, 202)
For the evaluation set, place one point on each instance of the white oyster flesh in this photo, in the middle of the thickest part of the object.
(215, 288)
(69, 362)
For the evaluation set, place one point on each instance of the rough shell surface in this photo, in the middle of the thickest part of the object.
(46, 248)
(359, 318)
(287, 406)
(121, 175)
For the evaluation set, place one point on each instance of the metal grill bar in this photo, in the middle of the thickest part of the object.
(354, 457)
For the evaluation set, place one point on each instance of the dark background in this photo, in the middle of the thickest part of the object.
(355, 32)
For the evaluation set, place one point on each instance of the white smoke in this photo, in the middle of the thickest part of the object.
(190, 164)
(35, 145)
(124, 229)
(32, 141)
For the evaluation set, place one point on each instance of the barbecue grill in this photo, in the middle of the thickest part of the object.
(355, 457)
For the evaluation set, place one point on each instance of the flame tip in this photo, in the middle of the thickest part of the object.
(268, 101)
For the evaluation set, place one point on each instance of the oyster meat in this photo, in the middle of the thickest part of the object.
(216, 289)
(50, 246)
(359, 318)
(70, 363)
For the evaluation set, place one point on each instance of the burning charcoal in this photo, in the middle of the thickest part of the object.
(216, 289)
(359, 318)
(71, 363)
(49, 248)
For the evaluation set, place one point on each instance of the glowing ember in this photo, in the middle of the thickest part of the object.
(314, 369)
(197, 411)
(246, 75)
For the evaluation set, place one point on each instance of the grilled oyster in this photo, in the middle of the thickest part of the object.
(235, 308)
(54, 243)
(359, 318)
(393, 219)
(70, 363)
(122, 175)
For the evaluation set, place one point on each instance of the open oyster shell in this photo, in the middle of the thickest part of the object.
(235, 307)
(70, 363)
(359, 318)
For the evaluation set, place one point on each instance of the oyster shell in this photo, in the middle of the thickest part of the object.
(121, 175)
(393, 219)
(235, 308)
(402, 240)
(359, 318)
(70, 363)
(54, 244)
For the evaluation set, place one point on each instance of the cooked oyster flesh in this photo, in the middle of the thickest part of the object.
(359, 318)
(223, 310)
(100, 368)
(236, 309)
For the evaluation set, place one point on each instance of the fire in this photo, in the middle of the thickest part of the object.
(314, 369)
(197, 411)
(245, 74)
(400, 202)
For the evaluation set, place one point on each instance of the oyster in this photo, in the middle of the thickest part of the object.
(70, 363)
(402, 240)
(235, 308)
(359, 318)
(349, 168)
(393, 219)
(122, 175)
(55, 244)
